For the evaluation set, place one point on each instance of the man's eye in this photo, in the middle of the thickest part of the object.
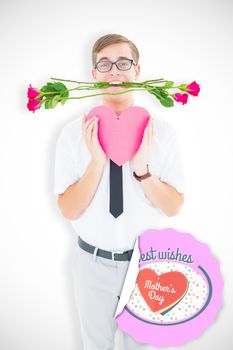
(123, 64)
(104, 64)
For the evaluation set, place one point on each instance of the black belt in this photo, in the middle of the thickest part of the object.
(115, 256)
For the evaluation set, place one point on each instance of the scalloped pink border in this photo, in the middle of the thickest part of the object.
(174, 335)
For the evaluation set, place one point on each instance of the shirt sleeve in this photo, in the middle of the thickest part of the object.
(172, 171)
(65, 170)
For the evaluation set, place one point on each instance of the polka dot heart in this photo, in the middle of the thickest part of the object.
(194, 299)
(178, 290)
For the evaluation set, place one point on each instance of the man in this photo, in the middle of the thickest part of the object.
(152, 188)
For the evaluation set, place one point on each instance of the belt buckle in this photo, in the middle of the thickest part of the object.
(116, 252)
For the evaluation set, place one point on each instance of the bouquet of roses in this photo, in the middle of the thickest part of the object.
(53, 93)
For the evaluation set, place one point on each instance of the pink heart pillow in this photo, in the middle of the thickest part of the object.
(120, 135)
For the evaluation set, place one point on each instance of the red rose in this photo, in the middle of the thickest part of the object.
(32, 92)
(33, 104)
(181, 98)
(193, 88)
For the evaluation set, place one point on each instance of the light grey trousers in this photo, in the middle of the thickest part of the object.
(97, 285)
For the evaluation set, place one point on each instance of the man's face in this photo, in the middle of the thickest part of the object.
(112, 53)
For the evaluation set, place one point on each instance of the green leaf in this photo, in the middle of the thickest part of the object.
(63, 100)
(50, 103)
(155, 92)
(167, 102)
(59, 86)
(54, 101)
(65, 94)
(159, 93)
(163, 94)
(47, 104)
(47, 88)
(44, 88)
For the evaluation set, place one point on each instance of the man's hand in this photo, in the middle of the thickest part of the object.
(141, 158)
(90, 132)
(160, 194)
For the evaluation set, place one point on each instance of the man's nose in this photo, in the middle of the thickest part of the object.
(114, 70)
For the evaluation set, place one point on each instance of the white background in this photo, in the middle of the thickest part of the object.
(177, 40)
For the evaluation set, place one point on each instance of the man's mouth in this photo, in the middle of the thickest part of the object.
(115, 88)
(115, 82)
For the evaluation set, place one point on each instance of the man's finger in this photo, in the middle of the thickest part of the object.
(88, 129)
(89, 121)
(83, 120)
(95, 129)
(88, 134)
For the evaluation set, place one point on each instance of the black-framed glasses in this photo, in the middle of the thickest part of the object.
(122, 64)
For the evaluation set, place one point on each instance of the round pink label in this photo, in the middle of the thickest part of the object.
(178, 290)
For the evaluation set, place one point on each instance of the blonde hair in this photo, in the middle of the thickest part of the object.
(111, 39)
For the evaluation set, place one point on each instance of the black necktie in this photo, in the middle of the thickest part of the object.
(116, 190)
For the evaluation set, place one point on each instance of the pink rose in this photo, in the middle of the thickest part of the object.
(33, 104)
(193, 88)
(181, 98)
(32, 92)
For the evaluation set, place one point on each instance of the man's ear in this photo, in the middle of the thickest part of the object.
(137, 71)
(93, 74)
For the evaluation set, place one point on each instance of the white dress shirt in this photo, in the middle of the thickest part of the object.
(97, 225)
